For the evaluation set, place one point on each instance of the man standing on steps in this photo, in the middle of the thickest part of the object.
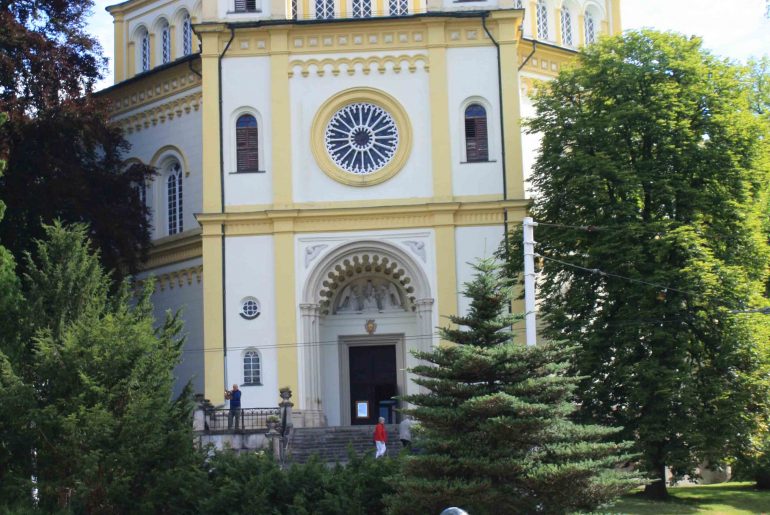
(380, 438)
(234, 396)
(405, 431)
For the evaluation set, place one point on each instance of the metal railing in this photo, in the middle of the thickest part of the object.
(243, 420)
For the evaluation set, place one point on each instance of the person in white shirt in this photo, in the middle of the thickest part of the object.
(405, 431)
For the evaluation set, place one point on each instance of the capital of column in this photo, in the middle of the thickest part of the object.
(310, 310)
(424, 305)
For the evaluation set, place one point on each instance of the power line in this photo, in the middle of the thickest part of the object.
(597, 271)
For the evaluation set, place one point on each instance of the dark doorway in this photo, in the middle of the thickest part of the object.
(373, 383)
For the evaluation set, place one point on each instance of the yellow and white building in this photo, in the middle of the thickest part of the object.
(327, 170)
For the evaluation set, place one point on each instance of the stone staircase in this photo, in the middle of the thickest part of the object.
(331, 443)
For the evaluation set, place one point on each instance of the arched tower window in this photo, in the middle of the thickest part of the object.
(252, 368)
(324, 9)
(144, 49)
(362, 8)
(590, 22)
(247, 143)
(186, 34)
(174, 198)
(398, 7)
(476, 141)
(542, 20)
(566, 27)
(165, 42)
(518, 4)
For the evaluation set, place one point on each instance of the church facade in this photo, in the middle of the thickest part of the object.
(327, 170)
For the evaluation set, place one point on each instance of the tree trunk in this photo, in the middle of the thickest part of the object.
(657, 489)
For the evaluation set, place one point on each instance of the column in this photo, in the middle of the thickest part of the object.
(425, 326)
(310, 366)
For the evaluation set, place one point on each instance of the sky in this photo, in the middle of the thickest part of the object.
(737, 29)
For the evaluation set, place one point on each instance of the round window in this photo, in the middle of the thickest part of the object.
(361, 138)
(250, 308)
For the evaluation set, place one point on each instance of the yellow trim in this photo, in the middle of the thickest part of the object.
(335, 103)
(439, 111)
(285, 306)
(213, 326)
(153, 57)
(508, 38)
(582, 29)
(174, 249)
(172, 35)
(146, 118)
(281, 118)
(533, 17)
(173, 149)
(557, 25)
(380, 7)
(617, 25)
(374, 217)
(119, 47)
(350, 65)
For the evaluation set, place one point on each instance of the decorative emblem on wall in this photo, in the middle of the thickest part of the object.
(312, 252)
(418, 247)
(370, 326)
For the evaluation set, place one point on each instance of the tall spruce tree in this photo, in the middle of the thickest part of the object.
(651, 190)
(495, 429)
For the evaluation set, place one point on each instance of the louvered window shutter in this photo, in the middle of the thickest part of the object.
(247, 148)
(476, 141)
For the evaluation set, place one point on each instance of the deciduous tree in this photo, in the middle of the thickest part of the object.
(65, 162)
(651, 185)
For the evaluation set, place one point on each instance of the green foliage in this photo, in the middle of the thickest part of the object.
(653, 166)
(253, 483)
(65, 160)
(90, 391)
(494, 431)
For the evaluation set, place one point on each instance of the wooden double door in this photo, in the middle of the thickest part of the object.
(373, 383)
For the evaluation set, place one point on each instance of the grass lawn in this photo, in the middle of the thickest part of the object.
(733, 498)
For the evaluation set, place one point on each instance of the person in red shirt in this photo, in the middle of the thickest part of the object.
(380, 438)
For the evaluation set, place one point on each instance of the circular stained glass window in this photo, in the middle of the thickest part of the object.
(249, 308)
(361, 138)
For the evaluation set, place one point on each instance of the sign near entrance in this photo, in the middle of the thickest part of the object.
(362, 409)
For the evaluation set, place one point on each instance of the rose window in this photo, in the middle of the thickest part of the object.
(361, 138)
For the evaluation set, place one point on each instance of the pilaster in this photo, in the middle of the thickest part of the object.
(281, 118)
(446, 268)
(508, 38)
(119, 59)
(439, 111)
(287, 347)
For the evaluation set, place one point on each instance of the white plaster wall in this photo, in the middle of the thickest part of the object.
(472, 244)
(250, 273)
(454, 5)
(530, 143)
(246, 89)
(472, 78)
(188, 299)
(183, 133)
(311, 184)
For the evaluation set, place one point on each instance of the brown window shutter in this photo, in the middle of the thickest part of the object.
(247, 148)
(476, 141)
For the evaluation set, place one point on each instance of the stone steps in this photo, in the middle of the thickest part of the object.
(331, 444)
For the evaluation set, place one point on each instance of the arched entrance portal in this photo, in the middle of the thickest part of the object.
(366, 305)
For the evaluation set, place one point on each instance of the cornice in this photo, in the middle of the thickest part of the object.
(176, 278)
(271, 221)
(152, 88)
(363, 65)
(175, 249)
(159, 114)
